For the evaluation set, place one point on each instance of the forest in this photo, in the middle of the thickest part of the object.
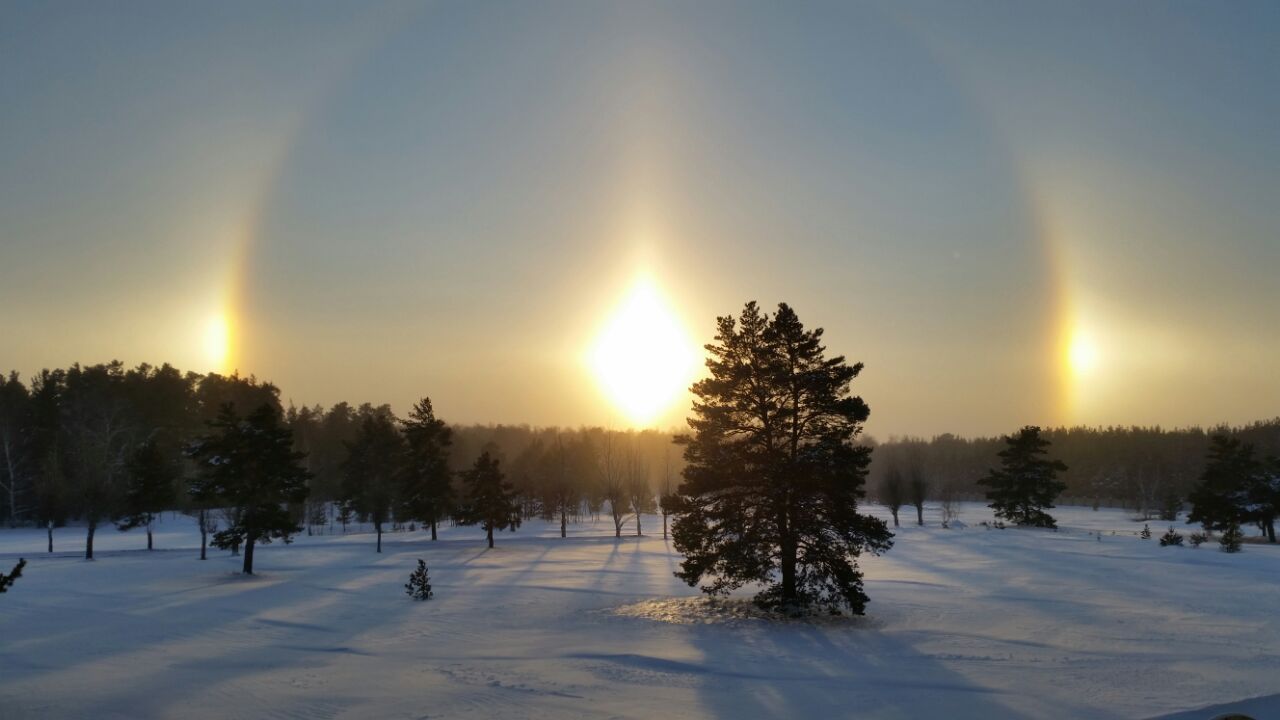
(74, 443)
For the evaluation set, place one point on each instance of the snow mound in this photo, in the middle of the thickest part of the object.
(712, 611)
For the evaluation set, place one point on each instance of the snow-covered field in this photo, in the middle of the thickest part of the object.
(968, 623)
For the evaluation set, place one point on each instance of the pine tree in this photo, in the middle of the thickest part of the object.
(426, 491)
(1173, 537)
(491, 501)
(7, 580)
(149, 488)
(773, 479)
(1026, 483)
(372, 470)
(419, 585)
(249, 467)
(1146, 532)
(1232, 538)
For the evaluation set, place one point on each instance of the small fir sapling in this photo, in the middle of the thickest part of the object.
(1231, 538)
(1146, 532)
(419, 585)
(1197, 538)
(1173, 537)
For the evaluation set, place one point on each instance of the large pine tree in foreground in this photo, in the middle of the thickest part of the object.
(1026, 483)
(771, 489)
(249, 466)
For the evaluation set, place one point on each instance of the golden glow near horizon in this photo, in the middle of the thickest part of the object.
(643, 358)
(217, 342)
(1082, 354)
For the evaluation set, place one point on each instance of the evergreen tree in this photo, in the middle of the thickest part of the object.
(426, 492)
(249, 467)
(1146, 532)
(7, 580)
(372, 470)
(1026, 483)
(149, 487)
(1236, 487)
(1173, 537)
(491, 501)
(15, 457)
(773, 479)
(1231, 539)
(419, 585)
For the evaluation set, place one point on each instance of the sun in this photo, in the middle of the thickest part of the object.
(643, 358)
(1082, 354)
(217, 342)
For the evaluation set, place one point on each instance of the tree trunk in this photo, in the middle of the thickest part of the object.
(563, 520)
(88, 541)
(204, 542)
(433, 528)
(895, 516)
(13, 484)
(788, 561)
(248, 554)
(920, 514)
(489, 532)
(378, 528)
(638, 524)
(1271, 530)
(664, 524)
(50, 536)
(149, 545)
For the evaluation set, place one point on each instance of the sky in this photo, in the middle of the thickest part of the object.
(1013, 213)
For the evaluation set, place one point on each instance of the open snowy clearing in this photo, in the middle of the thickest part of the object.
(969, 623)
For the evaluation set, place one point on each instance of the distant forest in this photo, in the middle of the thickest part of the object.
(68, 439)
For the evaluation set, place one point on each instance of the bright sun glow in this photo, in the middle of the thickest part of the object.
(217, 342)
(643, 358)
(1082, 354)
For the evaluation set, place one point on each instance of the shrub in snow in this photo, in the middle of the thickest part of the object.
(7, 580)
(1146, 532)
(419, 585)
(1231, 538)
(1170, 538)
(1197, 538)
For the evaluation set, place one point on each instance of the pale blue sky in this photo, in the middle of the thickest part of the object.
(405, 199)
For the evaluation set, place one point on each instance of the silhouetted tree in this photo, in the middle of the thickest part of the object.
(426, 492)
(419, 585)
(893, 491)
(917, 490)
(15, 407)
(249, 466)
(1026, 483)
(771, 488)
(1236, 487)
(372, 470)
(490, 500)
(149, 488)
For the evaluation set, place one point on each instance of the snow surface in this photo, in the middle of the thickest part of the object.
(969, 623)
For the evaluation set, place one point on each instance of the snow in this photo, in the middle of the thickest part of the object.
(963, 623)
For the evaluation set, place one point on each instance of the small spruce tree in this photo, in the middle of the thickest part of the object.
(1231, 538)
(1173, 537)
(1146, 532)
(1025, 484)
(1197, 538)
(419, 585)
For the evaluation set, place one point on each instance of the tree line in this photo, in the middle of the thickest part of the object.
(109, 446)
(1151, 470)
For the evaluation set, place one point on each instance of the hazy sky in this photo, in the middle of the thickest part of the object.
(380, 202)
